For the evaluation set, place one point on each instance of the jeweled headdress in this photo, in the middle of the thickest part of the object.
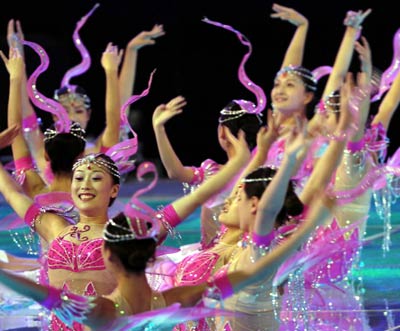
(88, 160)
(306, 76)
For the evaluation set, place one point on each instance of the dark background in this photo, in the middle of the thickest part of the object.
(193, 59)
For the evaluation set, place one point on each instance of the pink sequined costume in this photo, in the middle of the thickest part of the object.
(75, 263)
(319, 294)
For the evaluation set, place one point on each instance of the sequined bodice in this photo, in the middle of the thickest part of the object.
(64, 254)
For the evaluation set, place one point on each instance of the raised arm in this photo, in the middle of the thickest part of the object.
(187, 204)
(389, 104)
(353, 22)
(226, 284)
(126, 79)
(295, 52)
(30, 122)
(172, 164)
(329, 161)
(110, 61)
(33, 183)
(273, 198)
(29, 211)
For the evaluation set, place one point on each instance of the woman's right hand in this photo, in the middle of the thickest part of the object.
(164, 112)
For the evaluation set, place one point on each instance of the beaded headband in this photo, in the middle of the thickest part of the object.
(234, 114)
(137, 229)
(252, 180)
(301, 72)
(108, 166)
(75, 129)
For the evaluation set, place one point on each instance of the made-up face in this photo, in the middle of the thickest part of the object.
(91, 189)
(76, 108)
(289, 94)
(237, 211)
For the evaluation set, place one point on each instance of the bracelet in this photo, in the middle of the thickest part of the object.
(31, 123)
(355, 146)
(263, 240)
(24, 163)
(221, 284)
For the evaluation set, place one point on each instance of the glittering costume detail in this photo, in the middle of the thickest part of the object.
(255, 302)
(75, 263)
(319, 295)
(64, 254)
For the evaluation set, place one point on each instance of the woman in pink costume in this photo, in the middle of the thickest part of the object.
(294, 91)
(319, 293)
(74, 262)
(75, 99)
(129, 244)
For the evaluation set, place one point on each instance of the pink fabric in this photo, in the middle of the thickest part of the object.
(263, 240)
(223, 283)
(64, 254)
(196, 268)
(24, 163)
(355, 146)
(171, 216)
(31, 214)
(30, 122)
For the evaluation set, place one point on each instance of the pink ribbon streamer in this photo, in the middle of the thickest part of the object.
(121, 152)
(249, 106)
(38, 99)
(86, 61)
(390, 73)
(321, 71)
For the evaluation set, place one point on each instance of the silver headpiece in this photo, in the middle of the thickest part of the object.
(75, 129)
(96, 159)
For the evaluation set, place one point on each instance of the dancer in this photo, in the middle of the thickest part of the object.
(128, 233)
(74, 98)
(95, 185)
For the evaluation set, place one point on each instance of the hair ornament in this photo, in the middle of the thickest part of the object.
(88, 160)
(248, 106)
(75, 129)
(300, 71)
(253, 180)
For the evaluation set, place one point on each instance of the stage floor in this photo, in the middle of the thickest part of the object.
(379, 272)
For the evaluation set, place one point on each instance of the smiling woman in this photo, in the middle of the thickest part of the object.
(74, 258)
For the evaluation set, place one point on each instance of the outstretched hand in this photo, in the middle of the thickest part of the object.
(288, 14)
(15, 36)
(164, 112)
(111, 57)
(145, 38)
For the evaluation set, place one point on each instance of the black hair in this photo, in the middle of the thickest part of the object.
(63, 149)
(249, 123)
(292, 206)
(135, 254)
